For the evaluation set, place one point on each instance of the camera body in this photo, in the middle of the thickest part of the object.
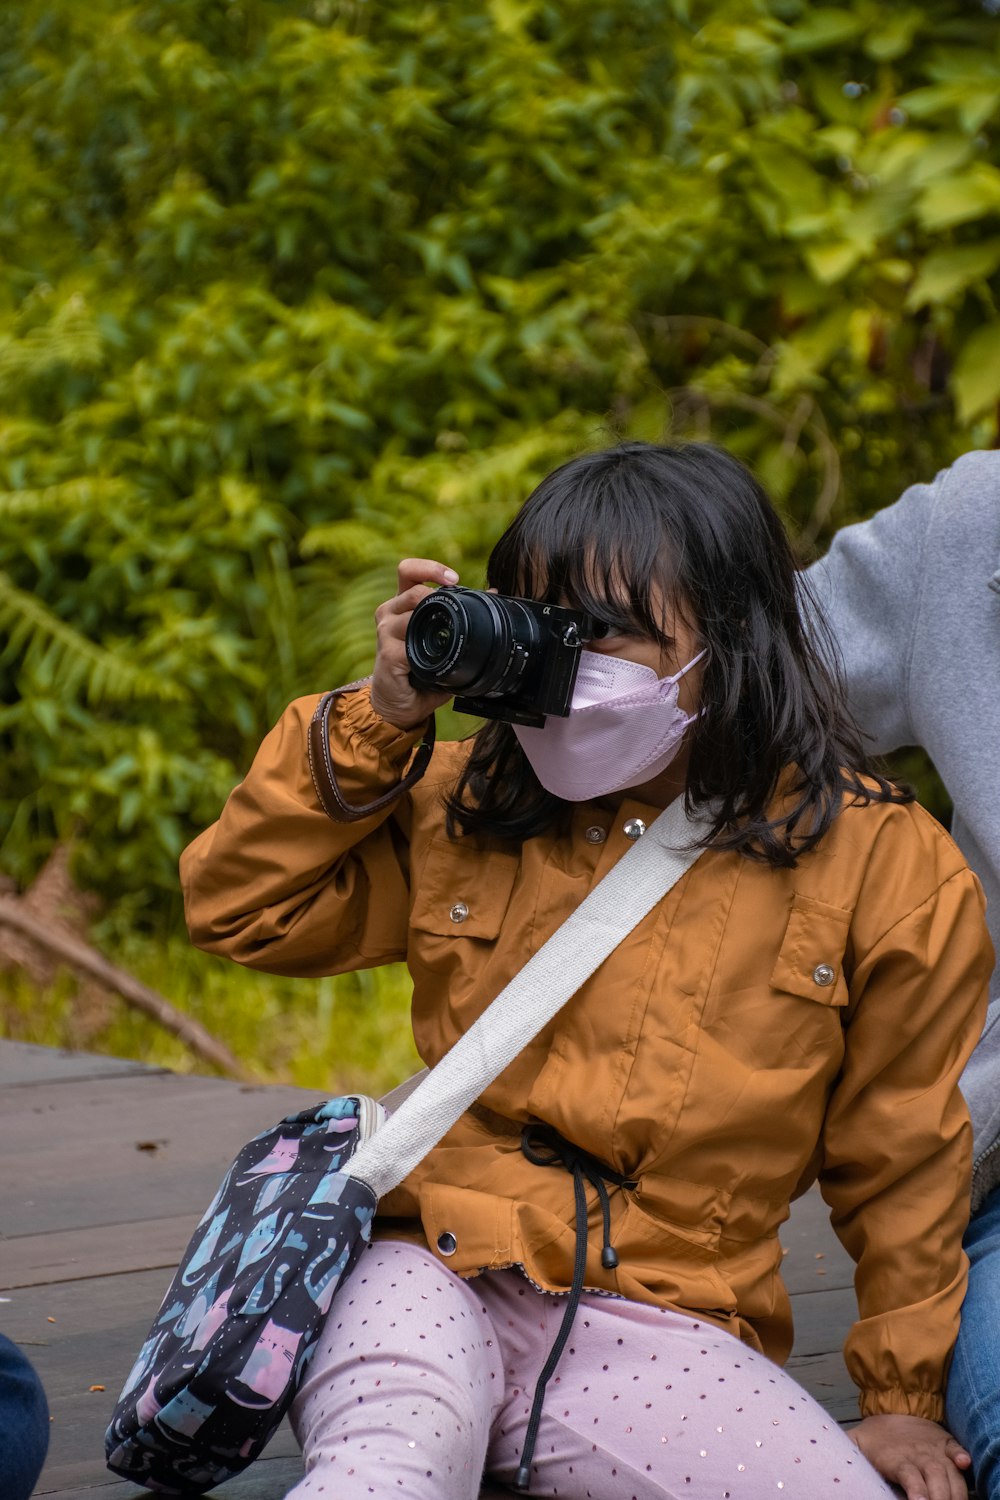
(504, 658)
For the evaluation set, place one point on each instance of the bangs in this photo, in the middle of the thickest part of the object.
(591, 539)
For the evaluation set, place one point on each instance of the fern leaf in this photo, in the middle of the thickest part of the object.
(56, 655)
(351, 545)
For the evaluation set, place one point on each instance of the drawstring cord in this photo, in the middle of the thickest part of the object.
(552, 1151)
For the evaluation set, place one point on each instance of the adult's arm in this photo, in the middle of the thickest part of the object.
(868, 589)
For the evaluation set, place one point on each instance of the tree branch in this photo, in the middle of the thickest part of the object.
(86, 960)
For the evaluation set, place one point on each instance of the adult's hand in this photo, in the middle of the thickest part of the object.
(393, 696)
(920, 1456)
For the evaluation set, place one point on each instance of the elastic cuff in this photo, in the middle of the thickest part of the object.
(897, 1402)
(355, 706)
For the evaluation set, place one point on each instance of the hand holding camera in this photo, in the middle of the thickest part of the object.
(393, 695)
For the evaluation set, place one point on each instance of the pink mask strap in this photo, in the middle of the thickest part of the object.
(692, 663)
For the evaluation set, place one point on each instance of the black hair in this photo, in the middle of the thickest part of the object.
(623, 532)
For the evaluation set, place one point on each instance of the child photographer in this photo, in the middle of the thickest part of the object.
(801, 1004)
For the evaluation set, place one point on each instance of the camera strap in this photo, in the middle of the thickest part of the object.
(324, 776)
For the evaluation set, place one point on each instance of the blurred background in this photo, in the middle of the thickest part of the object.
(290, 290)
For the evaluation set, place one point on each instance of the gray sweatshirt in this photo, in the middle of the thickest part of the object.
(913, 597)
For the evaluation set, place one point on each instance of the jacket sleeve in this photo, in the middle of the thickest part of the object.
(867, 590)
(897, 1141)
(276, 885)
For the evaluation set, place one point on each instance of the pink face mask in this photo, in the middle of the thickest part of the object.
(624, 727)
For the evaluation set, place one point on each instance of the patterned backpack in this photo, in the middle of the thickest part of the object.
(244, 1311)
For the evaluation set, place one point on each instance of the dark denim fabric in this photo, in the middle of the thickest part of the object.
(973, 1401)
(24, 1423)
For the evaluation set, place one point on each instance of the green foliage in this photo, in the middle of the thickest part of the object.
(289, 290)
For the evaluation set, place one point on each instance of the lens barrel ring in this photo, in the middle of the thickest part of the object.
(469, 641)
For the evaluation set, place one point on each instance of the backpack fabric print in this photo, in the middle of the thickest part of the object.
(243, 1313)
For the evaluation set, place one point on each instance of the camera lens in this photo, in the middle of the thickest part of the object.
(463, 641)
(436, 635)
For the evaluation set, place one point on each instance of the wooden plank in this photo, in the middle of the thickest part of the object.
(822, 1320)
(104, 1250)
(23, 1064)
(814, 1257)
(84, 1153)
(826, 1379)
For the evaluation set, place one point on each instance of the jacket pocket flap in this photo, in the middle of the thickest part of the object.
(463, 892)
(810, 961)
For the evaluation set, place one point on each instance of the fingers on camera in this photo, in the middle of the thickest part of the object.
(424, 570)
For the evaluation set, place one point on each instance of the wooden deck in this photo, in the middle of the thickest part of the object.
(107, 1166)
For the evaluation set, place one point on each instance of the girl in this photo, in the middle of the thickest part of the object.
(799, 1005)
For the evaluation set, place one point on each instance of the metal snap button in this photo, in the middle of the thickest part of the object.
(447, 1243)
(824, 975)
(459, 912)
(633, 828)
(595, 835)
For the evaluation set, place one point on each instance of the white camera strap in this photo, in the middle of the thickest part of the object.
(629, 891)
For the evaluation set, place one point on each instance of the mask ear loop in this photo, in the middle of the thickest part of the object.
(692, 663)
(692, 718)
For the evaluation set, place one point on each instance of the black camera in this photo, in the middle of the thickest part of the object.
(511, 659)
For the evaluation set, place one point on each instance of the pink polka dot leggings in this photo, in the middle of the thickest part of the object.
(423, 1382)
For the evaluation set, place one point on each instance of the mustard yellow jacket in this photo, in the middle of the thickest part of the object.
(712, 1057)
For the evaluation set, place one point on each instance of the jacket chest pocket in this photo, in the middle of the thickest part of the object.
(462, 892)
(810, 961)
